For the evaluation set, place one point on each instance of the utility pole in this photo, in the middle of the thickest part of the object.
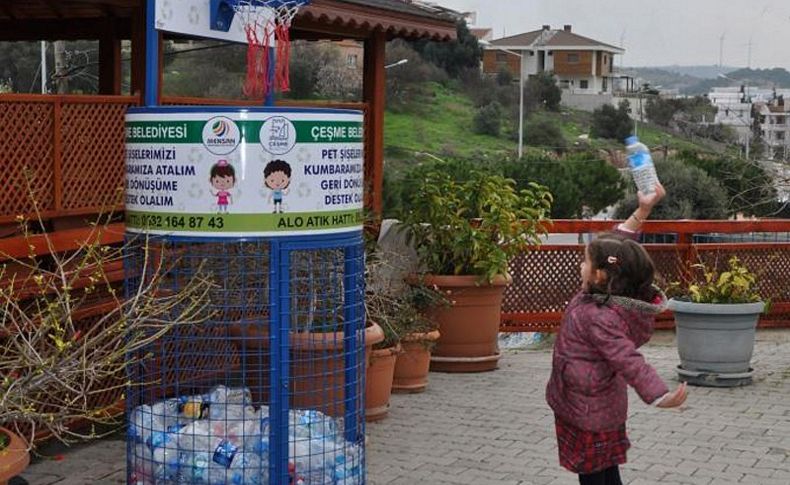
(43, 67)
(60, 67)
(721, 48)
(749, 62)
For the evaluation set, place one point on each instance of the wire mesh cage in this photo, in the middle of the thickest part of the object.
(270, 389)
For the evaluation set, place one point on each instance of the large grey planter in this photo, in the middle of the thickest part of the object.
(715, 341)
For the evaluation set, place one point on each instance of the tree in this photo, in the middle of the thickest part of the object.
(541, 90)
(575, 180)
(750, 189)
(693, 194)
(456, 56)
(613, 123)
(407, 84)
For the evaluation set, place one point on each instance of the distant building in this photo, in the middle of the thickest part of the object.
(737, 107)
(581, 64)
(774, 117)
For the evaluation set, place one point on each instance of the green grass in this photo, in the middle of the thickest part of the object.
(442, 126)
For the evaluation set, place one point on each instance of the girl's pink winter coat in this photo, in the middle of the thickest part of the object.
(596, 357)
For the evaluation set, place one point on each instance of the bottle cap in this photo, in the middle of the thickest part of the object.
(631, 140)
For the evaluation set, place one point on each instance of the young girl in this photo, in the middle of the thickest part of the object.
(222, 178)
(596, 356)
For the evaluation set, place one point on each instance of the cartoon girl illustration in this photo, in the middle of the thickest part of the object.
(222, 178)
(277, 177)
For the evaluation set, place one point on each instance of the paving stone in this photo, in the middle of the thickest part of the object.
(480, 429)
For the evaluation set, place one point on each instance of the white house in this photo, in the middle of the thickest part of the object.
(581, 64)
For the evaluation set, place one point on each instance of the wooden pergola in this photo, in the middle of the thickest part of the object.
(61, 162)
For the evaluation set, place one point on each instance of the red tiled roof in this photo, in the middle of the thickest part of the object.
(556, 38)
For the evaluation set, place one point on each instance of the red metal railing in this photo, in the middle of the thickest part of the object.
(547, 277)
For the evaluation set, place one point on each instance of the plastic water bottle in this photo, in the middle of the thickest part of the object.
(641, 164)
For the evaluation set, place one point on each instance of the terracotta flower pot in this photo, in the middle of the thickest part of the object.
(469, 326)
(411, 367)
(14, 458)
(378, 382)
(317, 370)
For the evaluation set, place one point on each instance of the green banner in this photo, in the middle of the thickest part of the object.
(190, 131)
(158, 222)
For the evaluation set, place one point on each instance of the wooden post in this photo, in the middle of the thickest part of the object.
(374, 90)
(138, 51)
(110, 63)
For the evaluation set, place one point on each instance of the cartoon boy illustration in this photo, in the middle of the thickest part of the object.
(277, 177)
(222, 178)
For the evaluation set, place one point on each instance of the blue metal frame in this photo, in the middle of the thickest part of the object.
(151, 55)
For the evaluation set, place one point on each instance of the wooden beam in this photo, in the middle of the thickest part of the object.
(374, 91)
(72, 29)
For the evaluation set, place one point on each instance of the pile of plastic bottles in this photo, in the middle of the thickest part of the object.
(220, 438)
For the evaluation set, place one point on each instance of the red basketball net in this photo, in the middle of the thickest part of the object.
(267, 24)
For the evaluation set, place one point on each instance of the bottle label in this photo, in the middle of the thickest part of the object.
(639, 160)
(224, 453)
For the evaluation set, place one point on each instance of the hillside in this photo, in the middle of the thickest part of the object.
(442, 126)
(697, 80)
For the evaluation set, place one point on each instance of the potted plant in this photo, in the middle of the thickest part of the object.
(317, 340)
(69, 337)
(465, 234)
(419, 336)
(716, 314)
(394, 305)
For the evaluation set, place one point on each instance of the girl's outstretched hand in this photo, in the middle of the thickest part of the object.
(674, 398)
(648, 201)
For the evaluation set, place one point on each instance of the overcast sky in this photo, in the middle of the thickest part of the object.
(664, 32)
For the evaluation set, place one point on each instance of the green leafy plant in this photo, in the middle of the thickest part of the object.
(474, 226)
(736, 284)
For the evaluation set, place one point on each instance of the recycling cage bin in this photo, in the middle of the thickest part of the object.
(263, 207)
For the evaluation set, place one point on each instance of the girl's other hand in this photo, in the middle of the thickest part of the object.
(675, 398)
(648, 201)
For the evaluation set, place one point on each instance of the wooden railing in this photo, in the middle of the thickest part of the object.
(547, 277)
(66, 153)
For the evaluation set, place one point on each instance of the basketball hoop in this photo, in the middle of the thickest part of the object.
(267, 25)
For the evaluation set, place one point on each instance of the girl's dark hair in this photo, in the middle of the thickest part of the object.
(222, 170)
(629, 269)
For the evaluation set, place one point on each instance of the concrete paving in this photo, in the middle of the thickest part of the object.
(495, 428)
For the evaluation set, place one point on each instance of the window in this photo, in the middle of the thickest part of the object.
(584, 84)
(605, 84)
(351, 60)
(605, 58)
(573, 58)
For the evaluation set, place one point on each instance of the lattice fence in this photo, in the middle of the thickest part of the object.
(546, 278)
(64, 152)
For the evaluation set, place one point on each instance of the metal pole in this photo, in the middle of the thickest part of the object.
(151, 55)
(43, 67)
(521, 110)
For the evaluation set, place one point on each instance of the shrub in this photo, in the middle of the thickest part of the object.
(488, 119)
(504, 77)
(543, 132)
